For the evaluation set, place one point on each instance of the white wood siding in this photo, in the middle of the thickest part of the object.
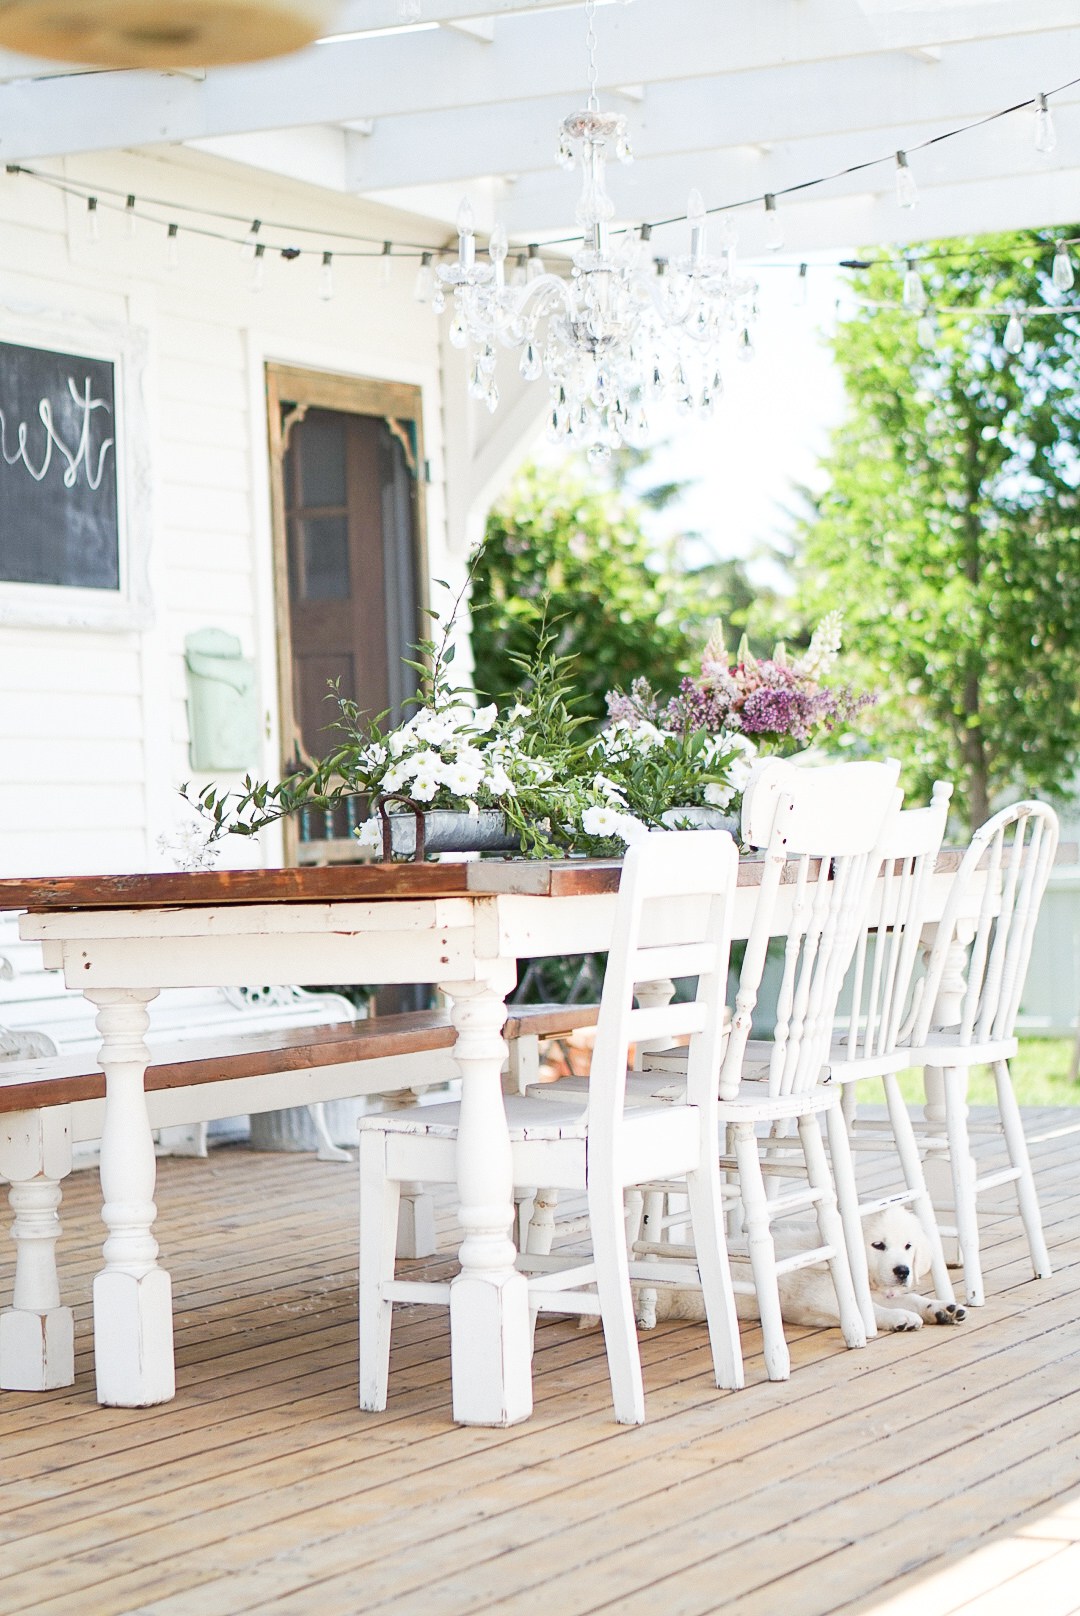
(93, 722)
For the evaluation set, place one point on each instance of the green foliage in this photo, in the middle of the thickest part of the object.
(563, 549)
(949, 534)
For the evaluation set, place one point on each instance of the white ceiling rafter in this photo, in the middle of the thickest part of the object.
(534, 52)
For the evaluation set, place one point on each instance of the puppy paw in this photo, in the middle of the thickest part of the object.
(949, 1313)
(898, 1320)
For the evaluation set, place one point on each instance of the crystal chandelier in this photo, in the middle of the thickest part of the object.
(622, 332)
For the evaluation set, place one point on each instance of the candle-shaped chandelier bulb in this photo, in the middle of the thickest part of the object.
(907, 192)
(466, 225)
(774, 225)
(1062, 273)
(326, 277)
(695, 218)
(534, 264)
(1045, 133)
(914, 294)
(497, 250)
(251, 240)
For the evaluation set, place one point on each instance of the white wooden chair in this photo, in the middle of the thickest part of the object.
(870, 1043)
(673, 918)
(967, 1017)
(830, 821)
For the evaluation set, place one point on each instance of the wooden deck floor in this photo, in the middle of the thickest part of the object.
(932, 1473)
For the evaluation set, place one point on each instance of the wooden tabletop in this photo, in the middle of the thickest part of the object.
(341, 883)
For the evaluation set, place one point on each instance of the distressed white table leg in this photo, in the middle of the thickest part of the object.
(133, 1345)
(490, 1334)
(37, 1350)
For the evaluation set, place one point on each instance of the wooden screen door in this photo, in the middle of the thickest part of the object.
(346, 460)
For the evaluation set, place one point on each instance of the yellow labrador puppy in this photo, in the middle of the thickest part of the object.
(897, 1257)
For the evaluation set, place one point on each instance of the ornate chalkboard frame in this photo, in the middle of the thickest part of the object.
(126, 349)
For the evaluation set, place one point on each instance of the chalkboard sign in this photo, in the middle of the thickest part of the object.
(58, 501)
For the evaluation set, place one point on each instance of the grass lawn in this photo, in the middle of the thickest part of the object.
(1039, 1076)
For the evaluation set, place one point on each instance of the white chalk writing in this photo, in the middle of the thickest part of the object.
(82, 457)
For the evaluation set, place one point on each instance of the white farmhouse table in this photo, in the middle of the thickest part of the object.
(121, 939)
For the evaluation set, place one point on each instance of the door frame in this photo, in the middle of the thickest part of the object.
(392, 402)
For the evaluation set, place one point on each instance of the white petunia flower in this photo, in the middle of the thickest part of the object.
(426, 763)
(631, 829)
(484, 718)
(394, 778)
(719, 796)
(608, 789)
(462, 780)
(425, 785)
(369, 834)
(600, 822)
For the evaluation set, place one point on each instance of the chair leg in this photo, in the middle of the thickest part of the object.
(1026, 1193)
(964, 1188)
(907, 1148)
(379, 1196)
(616, 1303)
(541, 1228)
(762, 1251)
(714, 1270)
(832, 1231)
(847, 1200)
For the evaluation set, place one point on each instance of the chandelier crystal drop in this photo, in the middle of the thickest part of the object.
(621, 332)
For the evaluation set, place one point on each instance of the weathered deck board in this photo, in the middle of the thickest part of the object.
(853, 1487)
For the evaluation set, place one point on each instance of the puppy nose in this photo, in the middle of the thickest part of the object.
(902, 1272)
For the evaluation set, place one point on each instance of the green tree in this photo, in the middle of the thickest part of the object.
(949, 535)
(562, 548)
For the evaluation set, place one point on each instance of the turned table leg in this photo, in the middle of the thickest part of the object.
(490, 1335)
(133, 1346)
(37, 1350)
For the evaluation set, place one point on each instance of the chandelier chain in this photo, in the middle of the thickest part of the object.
(590, 46)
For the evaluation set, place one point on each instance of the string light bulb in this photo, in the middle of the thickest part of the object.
(130, 216)
(1062, 273)
(251, 241)
(1045, 133)
(907, 192)
(802, 286)
(93, 221)
(927, 329)
(1013, 341)
(914, 294)
(387, 249)
(774, 225)
(425, 278)
(326, 277)
(172, 247)
(258, 266)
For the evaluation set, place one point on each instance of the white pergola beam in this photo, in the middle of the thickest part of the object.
(890, 99)
(440, 69)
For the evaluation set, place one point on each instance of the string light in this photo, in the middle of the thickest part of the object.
(172, 247)
(926, 332)
(326, 277)
(774, 225)
(914, 293)
(250, 243)
(425, 278)
(93, 221)
(388, 247)
(131, 216)
(802, 285)
(907, 192)
(1045, 133)
(1062, 273)
(258, 266)
(1013, 340)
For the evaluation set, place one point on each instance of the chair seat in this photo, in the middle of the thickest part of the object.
(527, 1120)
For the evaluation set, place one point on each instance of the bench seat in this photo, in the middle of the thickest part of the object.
(46, 1103)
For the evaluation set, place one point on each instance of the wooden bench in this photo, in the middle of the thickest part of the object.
(45, 1103)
